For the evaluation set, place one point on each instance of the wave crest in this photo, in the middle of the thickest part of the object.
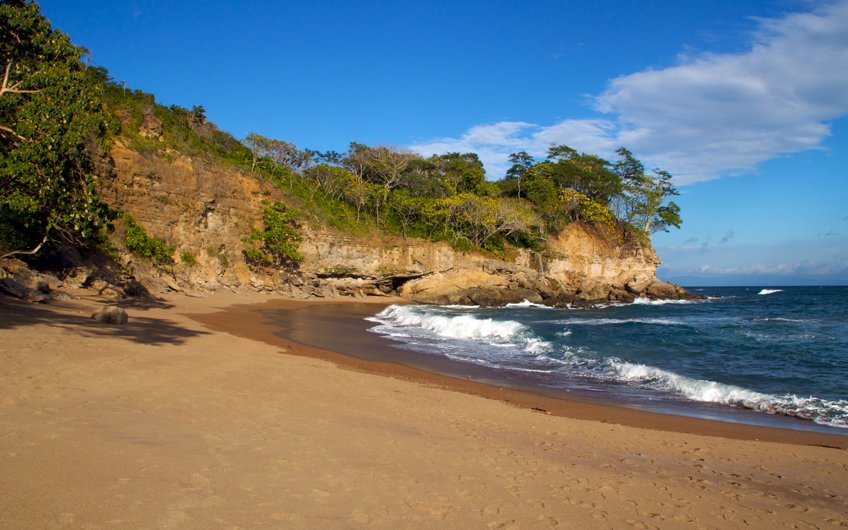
(454, 327)
(647, 301)
(821, 411)
(525, 303)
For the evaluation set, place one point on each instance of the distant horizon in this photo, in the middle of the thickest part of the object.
(745, 103)
(753, 286)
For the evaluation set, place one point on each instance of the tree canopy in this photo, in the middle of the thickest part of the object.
(51, 119)
(448, 197)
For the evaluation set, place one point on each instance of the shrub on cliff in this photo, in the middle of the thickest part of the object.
(276, 244)
(150, 247)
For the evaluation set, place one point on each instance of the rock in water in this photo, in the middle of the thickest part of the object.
(111, 315)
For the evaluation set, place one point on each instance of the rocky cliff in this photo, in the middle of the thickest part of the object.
(204, 210)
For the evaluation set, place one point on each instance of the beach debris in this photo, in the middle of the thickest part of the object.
(543, 411)
(111, 315)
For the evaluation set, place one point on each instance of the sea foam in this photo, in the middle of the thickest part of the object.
(764, 292)
(825, 412)
(526, 303)
(454, 327)
(647, 301)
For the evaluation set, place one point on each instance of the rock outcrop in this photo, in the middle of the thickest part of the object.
(205, 210)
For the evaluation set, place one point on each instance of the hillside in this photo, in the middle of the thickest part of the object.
(204, 203)
(103, 183)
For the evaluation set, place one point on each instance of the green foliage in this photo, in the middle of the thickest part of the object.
(480, 219)
(145, 246)
(521, 164)
(460, 173)
(583, 208)
(188, 259)
(182, 130)
(212, 252)
(541, 190)
(276, 244)
(53, 116)
(643, 205)
(51, 119)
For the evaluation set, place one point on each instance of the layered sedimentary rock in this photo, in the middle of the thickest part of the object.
(205, 210)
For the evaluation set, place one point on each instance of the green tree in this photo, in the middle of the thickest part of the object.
(406, 207)
(282, 154)
(461, 172)
(382, 165)
(198, 116)
(583, 208)
(479, 219)
(521, 164)
(658, 213)
(276, 244)
(422, 178)
(544, 194)
(587, 174)
(644, 203)
(358, 192)
(51, 118)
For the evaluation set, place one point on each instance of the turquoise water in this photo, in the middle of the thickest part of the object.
(780, 351)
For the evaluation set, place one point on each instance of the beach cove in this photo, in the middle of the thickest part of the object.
(168, 422)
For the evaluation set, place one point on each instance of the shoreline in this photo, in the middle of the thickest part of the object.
(255, 322)
(164, 422)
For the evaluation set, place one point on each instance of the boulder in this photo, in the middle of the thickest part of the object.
(79, 277)
(12, 287)
(62, 296)
(662, 290)
(111, 315)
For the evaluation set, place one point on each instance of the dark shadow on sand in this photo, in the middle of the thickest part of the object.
(16, 313)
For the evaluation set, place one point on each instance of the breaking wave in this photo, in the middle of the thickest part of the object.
(822, 411)
(526, 303)
(647, 301)
(454, 327)
(785, 358)
(764, 292)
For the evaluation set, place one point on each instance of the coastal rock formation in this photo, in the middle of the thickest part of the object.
(205, 210)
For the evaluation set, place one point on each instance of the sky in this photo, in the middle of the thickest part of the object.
(745, 103)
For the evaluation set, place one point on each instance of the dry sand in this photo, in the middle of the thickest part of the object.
(165, 423)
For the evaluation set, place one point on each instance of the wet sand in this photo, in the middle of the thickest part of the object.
(336, 331)
(169, 423)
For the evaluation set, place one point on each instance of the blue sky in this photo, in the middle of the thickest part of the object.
(744, 102)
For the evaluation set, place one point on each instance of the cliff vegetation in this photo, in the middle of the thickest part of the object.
(89, 164)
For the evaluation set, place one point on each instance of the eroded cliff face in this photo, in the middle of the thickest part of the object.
(204, 210)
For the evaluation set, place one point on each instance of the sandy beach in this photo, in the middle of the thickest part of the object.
(190, 416)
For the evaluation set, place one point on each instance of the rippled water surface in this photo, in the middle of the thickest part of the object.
(775, 350)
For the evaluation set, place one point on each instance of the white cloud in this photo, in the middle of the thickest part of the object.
(709, 116)
(825, 259)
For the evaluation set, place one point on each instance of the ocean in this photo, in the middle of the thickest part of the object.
(762, 355)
